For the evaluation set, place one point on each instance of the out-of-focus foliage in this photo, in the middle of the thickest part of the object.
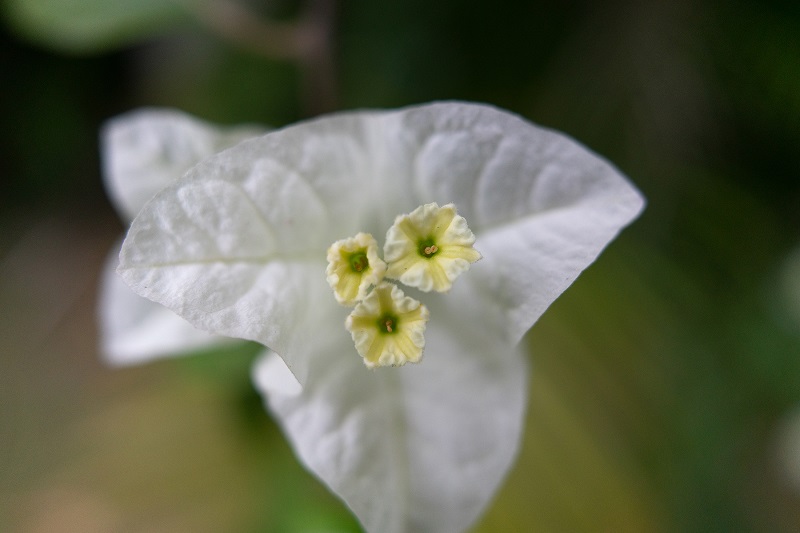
(663, 381)
(93, 25)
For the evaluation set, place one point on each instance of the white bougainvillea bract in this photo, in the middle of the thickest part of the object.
(237, 247)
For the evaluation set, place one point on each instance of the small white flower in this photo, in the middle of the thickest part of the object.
(429, 248)
(237, 247)
(353, 267)
(388, 327)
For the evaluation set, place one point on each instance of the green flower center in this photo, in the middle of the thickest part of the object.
(358, 261)
(427, 248)
(387, 323)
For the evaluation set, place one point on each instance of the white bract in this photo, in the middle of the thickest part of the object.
(238, 248)
(143, 152)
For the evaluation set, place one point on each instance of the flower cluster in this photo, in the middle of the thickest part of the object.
(426, 249)
(236, 247)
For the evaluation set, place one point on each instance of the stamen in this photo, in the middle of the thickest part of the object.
(359, 262)
(387, 323)
(427, 248)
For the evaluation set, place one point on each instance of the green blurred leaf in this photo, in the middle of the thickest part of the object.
(84, 26)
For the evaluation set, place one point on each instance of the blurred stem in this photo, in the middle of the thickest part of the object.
(307, 41)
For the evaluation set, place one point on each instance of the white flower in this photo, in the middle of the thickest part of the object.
(353, 267)
(143, 152)
(238, 248)
(429, 248)
(388, 327)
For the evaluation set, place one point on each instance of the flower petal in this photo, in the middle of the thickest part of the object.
(143, 152)
(418, 448)
(237, 247)
(147, 149)
(272, 374)
(135, 330)
(541, 205)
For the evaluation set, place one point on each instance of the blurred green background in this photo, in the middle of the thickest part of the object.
(665, 384)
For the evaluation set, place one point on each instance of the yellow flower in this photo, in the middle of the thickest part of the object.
(388, 327)
(354, 266)
(429, 248)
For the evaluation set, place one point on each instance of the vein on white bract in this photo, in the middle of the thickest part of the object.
(143, 152)
(238, 248)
